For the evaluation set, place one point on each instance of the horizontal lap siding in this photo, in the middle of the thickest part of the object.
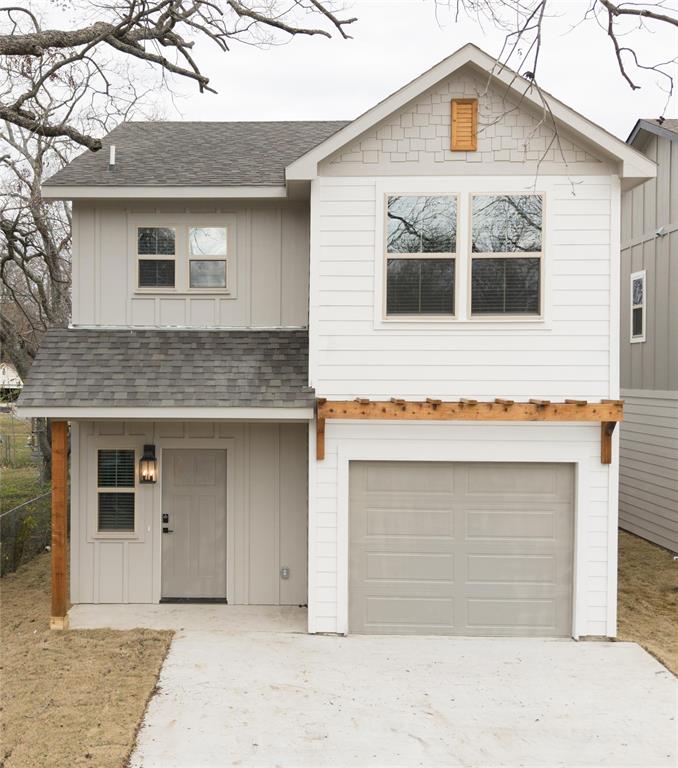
(353, 354)
(568, 356)
(505, 442)
(648, 471)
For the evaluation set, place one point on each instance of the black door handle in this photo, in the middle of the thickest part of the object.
(167, 530)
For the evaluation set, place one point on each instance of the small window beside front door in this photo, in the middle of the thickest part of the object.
(115, 491)
(638, 302)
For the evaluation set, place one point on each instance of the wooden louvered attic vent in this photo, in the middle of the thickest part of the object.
(464, 125)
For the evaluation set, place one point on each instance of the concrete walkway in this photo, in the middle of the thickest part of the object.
(291, 699)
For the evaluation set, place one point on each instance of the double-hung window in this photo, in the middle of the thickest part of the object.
(421, 245)
(156, 257)
(115, 491)
(207, 257)
(506, 255)
(638, 299)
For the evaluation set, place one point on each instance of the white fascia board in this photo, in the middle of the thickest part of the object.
(632, 163)
(158, 192)
(167, 413)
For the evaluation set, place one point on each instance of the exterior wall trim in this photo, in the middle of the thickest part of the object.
(169, 413)
(167, 192)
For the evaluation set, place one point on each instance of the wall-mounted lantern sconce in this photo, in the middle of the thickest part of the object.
(148, 466)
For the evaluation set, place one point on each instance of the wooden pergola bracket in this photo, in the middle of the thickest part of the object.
(59, 618)
(607, 413)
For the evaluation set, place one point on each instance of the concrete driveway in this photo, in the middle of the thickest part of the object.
(290, 699)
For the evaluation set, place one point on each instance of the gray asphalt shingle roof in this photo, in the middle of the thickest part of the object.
(196, 154)
(135, 368)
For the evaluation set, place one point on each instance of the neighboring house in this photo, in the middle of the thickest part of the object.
(648, 498)
(371, 366)
(10, 382)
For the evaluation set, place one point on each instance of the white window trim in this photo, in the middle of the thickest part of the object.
(452, 256)
(506, 255)
(463, 187)
(115, 535)
(181, 223)
(640, 275)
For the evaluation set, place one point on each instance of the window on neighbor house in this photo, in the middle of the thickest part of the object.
(421, 245)
(156, 252)
(506, 255)
(207, 257)
(115, 490)
(638, 299)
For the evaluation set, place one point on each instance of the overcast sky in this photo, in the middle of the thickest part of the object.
(396, 40)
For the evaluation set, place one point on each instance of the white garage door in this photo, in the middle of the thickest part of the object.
(461, 549)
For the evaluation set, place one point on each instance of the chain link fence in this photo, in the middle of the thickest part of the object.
(25, 531)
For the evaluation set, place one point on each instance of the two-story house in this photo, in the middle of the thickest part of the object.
(648, 483)
(368, 366)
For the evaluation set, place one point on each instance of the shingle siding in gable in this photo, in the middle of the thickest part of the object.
(418, 137)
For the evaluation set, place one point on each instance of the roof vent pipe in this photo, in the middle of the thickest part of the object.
(111, 155)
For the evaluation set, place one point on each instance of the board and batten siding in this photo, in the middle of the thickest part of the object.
(266, 518)
(652, 364)
(648, 501)
(269, 260)
(648, 473)
(572, 352)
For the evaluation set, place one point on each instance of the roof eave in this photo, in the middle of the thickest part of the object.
(101, 192)
(131, 413)
(632, 164)
(650, 127)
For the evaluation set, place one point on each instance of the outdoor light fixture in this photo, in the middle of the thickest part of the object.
(148, 466)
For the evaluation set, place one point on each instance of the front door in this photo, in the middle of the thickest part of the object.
(194, 524)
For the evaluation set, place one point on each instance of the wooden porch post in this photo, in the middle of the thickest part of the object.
(59, 619)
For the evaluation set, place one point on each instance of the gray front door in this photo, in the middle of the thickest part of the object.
(194, 545)
(461, 549)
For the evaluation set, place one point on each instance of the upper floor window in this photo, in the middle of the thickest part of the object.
(115, 490)
(421, 245)
(638, 299)
(207, 257)
(506, 255)
(156, 253)
(184, 258)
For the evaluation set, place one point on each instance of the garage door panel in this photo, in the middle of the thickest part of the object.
(512, 615)
(434, 478)
(512, 524)
(409, 565)
(496, 565)
(408, 521)
(516, 481)
(496, 568)
(413, 612)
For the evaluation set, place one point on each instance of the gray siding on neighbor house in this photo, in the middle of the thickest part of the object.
(648, 500)
(266, 515)
(652, 364)
(267, 265)
(648, 482)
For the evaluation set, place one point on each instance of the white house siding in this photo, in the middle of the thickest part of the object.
(573, 353)
(648, 485)
(267, 265)
(266, 511)
(595, 506)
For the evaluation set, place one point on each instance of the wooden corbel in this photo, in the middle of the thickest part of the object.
(606, 431)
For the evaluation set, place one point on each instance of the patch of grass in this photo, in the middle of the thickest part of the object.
(648, 598)
(15, 449)
(18, 485)
(73, 698)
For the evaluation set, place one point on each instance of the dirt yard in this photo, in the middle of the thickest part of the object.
(71, 698)
(648, 598)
